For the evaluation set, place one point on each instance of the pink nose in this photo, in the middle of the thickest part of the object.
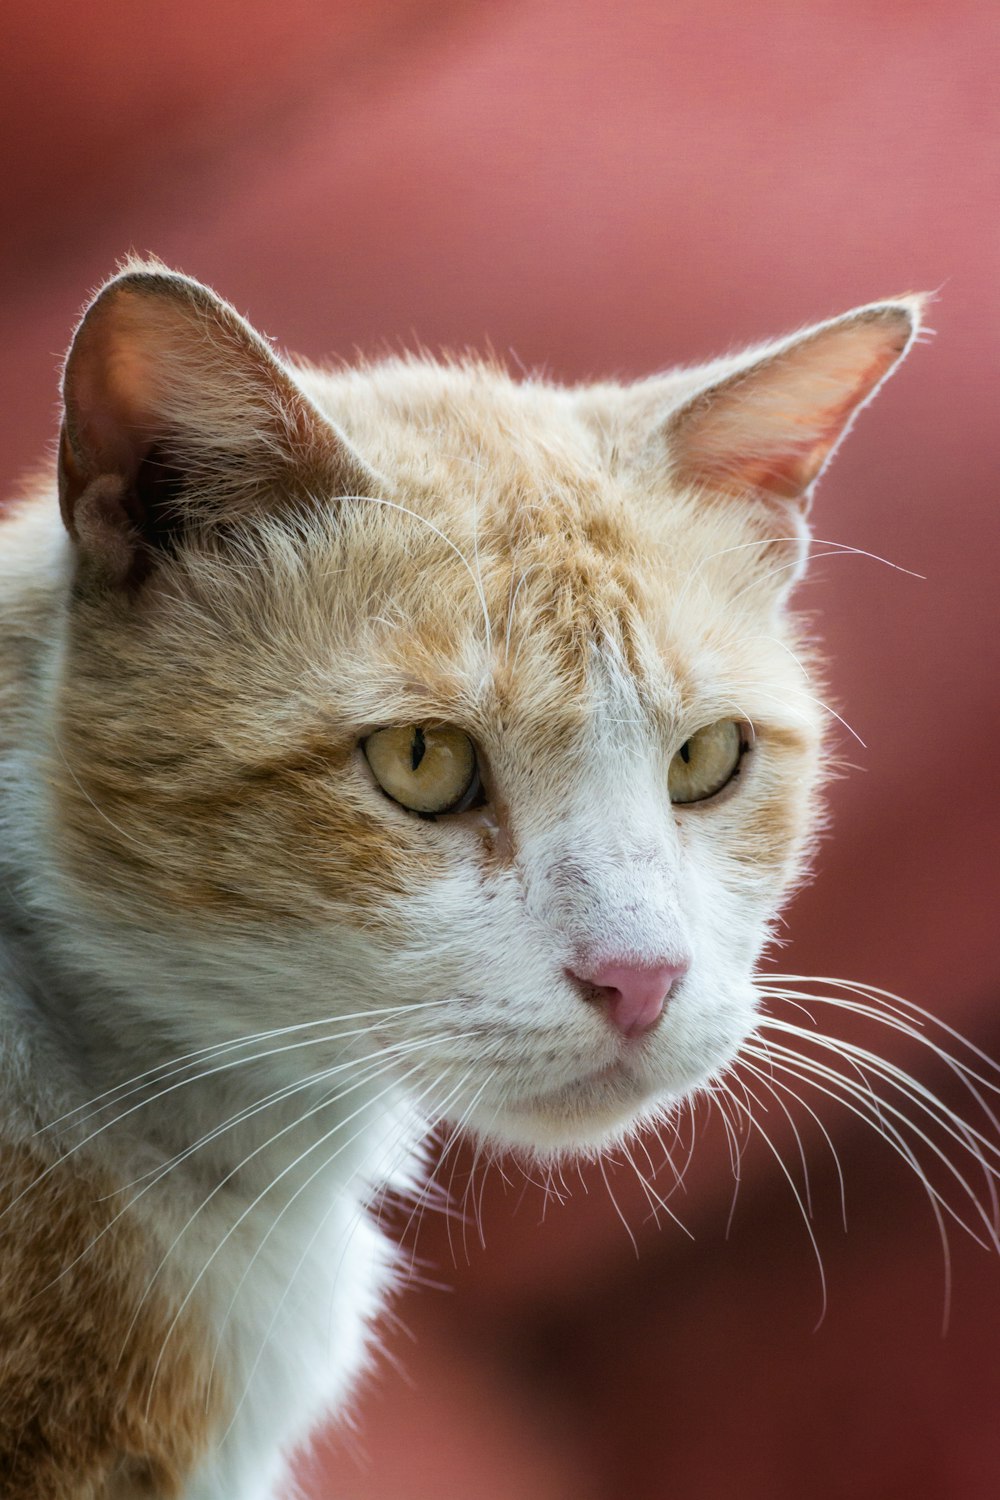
(635, 993)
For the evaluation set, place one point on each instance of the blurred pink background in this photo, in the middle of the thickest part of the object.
(599, 189)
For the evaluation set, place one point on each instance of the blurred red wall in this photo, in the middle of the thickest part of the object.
(612, 188)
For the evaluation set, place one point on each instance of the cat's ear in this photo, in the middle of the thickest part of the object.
(177, 414)
(769, 424)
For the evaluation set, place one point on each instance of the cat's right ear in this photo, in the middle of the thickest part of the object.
(178, 415)
(759, 428)
(770, 425)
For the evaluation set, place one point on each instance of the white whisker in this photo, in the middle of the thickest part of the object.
(756, 1125)
(167, 1068)
(615, 1205)
(857, 1103)
(771, 1083)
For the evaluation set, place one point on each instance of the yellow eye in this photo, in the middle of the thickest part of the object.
(706, 762)
(429, 769)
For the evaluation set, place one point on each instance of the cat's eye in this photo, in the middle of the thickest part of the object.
(707, 761)
(426, 768)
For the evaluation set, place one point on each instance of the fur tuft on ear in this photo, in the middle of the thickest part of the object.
(771, 423)
(178, 414)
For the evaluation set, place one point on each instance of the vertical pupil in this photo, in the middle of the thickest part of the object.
(417, 748)
(685, 752)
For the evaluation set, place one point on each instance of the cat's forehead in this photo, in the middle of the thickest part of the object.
(509, 562)
(466, 429)
(519, 470)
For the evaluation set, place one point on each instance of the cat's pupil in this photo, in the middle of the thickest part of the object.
(417, 748)
(685, 752)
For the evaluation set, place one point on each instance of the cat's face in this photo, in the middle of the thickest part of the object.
(481, 711)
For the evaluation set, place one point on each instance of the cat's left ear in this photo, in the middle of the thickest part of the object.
(769, 426)
(180, 420)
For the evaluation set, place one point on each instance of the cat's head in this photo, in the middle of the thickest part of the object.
(412, 692)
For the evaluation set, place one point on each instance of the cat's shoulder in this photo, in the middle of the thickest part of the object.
(80, 1335)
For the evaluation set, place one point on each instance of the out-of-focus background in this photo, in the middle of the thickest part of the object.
(598, 188)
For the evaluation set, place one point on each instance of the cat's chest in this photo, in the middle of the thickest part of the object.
(289, 1300)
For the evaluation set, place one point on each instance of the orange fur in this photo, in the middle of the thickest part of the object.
(81, 1417)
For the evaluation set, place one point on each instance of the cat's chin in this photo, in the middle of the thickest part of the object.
(584, 1116)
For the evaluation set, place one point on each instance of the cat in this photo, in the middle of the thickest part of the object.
(381, 747)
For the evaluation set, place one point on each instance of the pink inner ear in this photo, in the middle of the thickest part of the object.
(772, 427)
(786, 475)
(786, 471)
(111, 392)
(114, 410)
